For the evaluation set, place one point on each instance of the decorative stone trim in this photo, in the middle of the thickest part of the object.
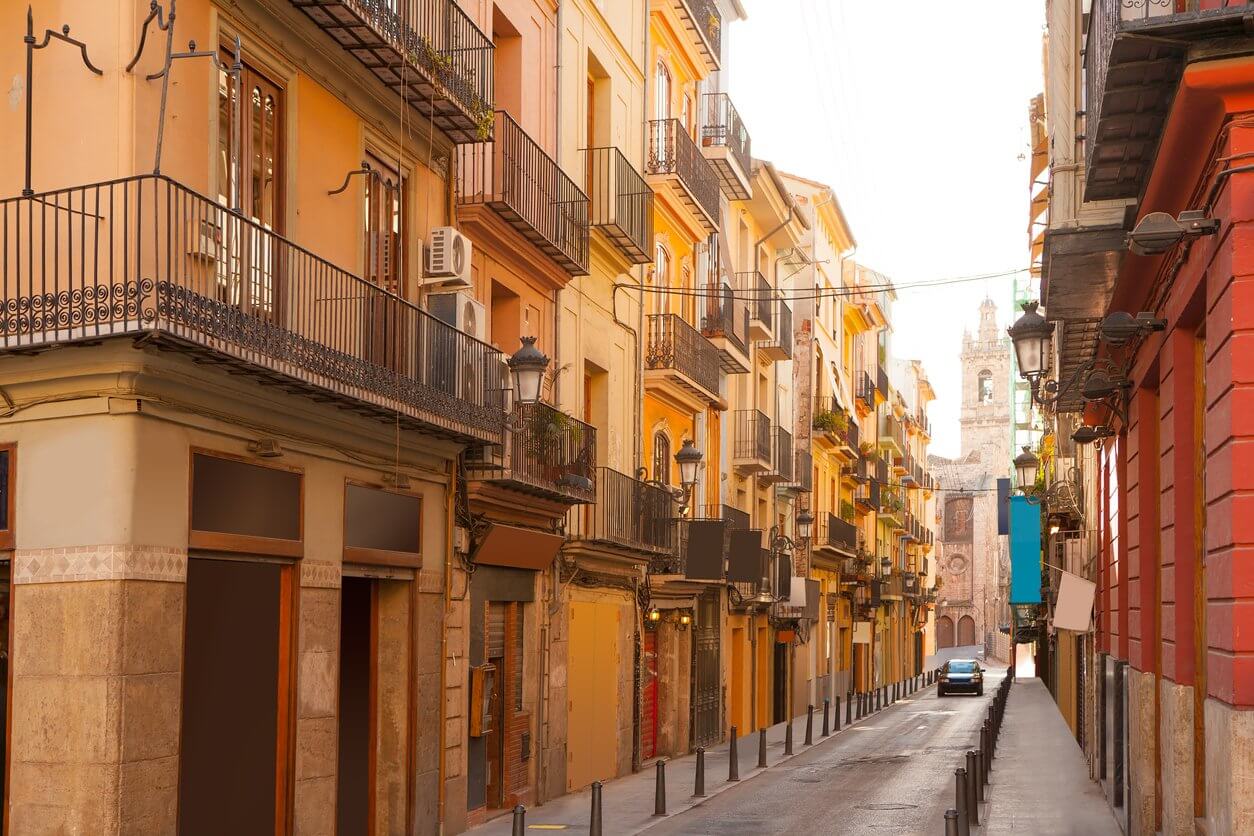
(320, 573)
(100, 563)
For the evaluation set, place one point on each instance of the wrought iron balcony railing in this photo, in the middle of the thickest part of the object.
(677, 346)
(837, 534)
(673, 154)
(727, 317)
(802, 478)
(763, 297)
(548, 453)
(449, 60)
(512, 175)
(865, 390)
(753, 437)
(147, 256)
(779, 347)
(736, 519)
(704, 21)
(782, 463)
(881, 381)
(621, 203)
(628, 514)
(727, 145)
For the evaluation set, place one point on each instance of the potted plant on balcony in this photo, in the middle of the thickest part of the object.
(551, 436)
(846, 510)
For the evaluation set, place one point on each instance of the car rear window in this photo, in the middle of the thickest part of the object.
(962, 667)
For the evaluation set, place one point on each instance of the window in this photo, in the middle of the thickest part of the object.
(662, 94)
(659, 299)
(662, 458)
(8, 460)
(984, 387)
(385, 226)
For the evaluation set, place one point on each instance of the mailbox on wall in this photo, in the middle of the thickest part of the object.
(482, 686)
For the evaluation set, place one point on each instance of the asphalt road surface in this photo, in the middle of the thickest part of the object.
(891, 773)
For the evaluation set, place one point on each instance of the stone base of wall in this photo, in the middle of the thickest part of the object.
(1229, 768)
(1141, 754)
(1175, 732)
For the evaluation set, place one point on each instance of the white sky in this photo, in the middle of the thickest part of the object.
(915, 112)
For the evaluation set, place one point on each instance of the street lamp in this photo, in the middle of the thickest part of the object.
(805, 524)
(1033, 341)
(1026, 467)
(688, 458)
(527, 368)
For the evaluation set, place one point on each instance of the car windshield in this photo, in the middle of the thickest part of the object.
(962, 666)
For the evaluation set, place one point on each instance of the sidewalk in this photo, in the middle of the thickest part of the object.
(1040, 781)
(628, 802)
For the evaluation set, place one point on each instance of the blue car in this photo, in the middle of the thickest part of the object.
(960, 676)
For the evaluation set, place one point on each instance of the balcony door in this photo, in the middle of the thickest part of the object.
(251, 168)
(384, 263)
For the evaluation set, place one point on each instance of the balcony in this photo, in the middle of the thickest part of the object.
(802, 479)
(1133, 59)
(628, 515)
(676, 163)
(516, 179)
(881, 384)
(867, 496)
(836, 536)
(725, 142)
(726, 326)
(761, 296)
(702, 20)
(620, 203)
(891, 438)
(736, 519)
(428, 51)
(779, 347)
(866, 393)
(547, 454)
(892, 508)
(751, 445)
(148, 257)
(781, 469)
(681, 362)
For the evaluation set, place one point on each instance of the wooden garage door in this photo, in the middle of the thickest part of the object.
(593, 674)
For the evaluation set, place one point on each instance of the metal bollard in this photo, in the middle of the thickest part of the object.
(809, 725)
(979, 776)
(659, 796)
(877, 699)
(837, 714)
(520, 821)
(951, 822)
(698, 791)
(960, 799)
(986, 751)
(827, 726)
(594, 825)
(762, 748)
(848, 707)
(788, 738)
(973, 810)
(733, 763)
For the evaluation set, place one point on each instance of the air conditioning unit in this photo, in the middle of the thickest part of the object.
(461, 310)
(454, 364)
(446, 259)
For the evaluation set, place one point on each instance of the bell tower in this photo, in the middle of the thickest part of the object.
(985, 416)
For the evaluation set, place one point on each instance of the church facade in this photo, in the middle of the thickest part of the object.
(972, 558)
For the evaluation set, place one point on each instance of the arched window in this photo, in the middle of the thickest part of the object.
(662, 92)
(984, 387)
(661, 458)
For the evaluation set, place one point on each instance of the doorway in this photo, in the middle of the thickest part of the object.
(779, 701)
(592, 750)
(233, 769)
(648, 709)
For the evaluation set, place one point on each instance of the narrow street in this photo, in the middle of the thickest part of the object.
(892, 774)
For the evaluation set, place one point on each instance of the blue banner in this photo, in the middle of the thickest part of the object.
(1025, 551)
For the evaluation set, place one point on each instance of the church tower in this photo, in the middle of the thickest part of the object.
(985, 417)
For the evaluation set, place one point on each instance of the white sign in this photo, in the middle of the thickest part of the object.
(862, 632)
(1074, 610)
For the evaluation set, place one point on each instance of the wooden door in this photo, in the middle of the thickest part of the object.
(386, 319)
(736, 701)
(648, 708)
(494, 637)
(592, 703)
(250, 178)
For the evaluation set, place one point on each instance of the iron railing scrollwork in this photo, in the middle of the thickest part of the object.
(724, 128)
(514, 176)
(674, 344)
(147, 255)
(672, 152)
